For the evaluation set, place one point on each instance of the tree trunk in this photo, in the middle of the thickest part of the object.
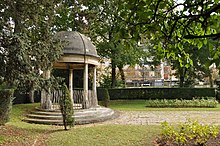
(113, 75)
(210, 80)
(181, 81)
(182, 74)
(45, 95)
(31, 96)
(45, 100)
(122, 74)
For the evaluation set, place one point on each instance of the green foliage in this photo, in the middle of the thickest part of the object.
(190, 132)
(160, 93)
(109, 33)
(28, 45)
(105, 99)
(195, 102)
(66, 107)
(6, 97)
(71, 16)
(106, 80)
(217, 94)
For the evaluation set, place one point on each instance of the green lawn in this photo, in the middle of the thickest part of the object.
(107, 135)
(17, 132)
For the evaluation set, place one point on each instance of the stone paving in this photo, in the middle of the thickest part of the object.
(156, 117)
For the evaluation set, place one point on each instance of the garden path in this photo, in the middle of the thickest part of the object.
(156, 117)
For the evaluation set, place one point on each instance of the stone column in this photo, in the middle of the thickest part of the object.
(45, 95)
(85, 87)
(71, 85)
(94, 100)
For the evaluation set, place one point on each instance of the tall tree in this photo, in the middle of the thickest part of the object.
(173, 24)
(27, 44)
(71, 16)
(108, 32)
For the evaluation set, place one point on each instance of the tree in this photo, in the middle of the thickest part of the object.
(71, 16)
(27, 43)
(108, 32)
(170, 25)
(169, 22)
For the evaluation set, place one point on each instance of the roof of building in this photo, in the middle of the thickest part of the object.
(76, 43)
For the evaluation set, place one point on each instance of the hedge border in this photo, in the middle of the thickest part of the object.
(156, 93)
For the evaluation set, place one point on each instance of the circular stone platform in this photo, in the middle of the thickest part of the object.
(82, 116)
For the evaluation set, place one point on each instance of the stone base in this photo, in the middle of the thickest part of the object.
(82, 116)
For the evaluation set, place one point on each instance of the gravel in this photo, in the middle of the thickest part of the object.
(156, 117)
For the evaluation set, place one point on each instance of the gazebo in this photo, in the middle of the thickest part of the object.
(78, 54)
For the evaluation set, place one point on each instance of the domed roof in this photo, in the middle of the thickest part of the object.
(77, 43)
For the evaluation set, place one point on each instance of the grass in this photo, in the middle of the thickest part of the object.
(17, 132)
(139, 105)
(105, 135)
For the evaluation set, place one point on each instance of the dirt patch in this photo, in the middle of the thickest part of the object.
(15, 136)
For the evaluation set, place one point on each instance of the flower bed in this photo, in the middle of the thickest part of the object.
(209, 102)
(190, 133)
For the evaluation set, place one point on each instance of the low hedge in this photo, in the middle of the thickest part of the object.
(157, 93)
(208, 102)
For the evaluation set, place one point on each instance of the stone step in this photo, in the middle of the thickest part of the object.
(84, 116)
(47, 110)
(43, 121)
(46, 113)
(50, 117)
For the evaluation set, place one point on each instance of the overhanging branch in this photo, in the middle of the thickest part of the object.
(214, 36)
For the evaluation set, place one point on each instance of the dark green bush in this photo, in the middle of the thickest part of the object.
(104, 96)
(217, 95)
(6, 97)
(66, 108)
(159, 93)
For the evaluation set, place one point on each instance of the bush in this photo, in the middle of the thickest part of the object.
(188, 133)
(104, 96)
(6, 97)
(195, 102)
(66, 108)
(159, 93)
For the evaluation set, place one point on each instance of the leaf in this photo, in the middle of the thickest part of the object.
(199, 45)
(180, 46)
(205, 41)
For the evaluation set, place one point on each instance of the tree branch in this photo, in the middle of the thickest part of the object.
(214, 36)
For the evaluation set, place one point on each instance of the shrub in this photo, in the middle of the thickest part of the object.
(195, 102)
(66, 108)
(105, 98)
(188, 133)
(159, 93)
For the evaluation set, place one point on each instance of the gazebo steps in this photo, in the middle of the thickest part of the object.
(43, 121)
(49, 117)
(83, 116)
